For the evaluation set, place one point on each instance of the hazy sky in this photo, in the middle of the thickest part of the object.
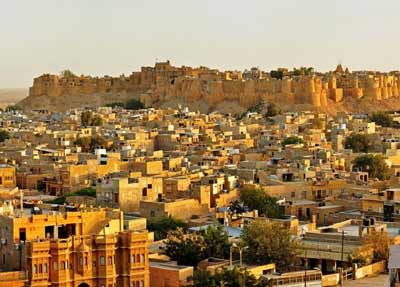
(101, 37)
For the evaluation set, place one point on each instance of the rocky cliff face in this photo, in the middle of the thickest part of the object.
(206, 89)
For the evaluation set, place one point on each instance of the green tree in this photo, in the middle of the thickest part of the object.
(236, 277)
(134, 104)
(88, 118)
(163, 225)
(96, 121)
(363, 143)
(269, 243)
(237, 207)
(217, 241)
(4, 135)
(41, 185)
(272, 110)
(89, 191)
(186, 248)
(383, 119)
(12, 108)
(89, 144)
(357, 143)
(375, 165)
(380, 242)
(277, 74)
(292, 140)
(265, 204)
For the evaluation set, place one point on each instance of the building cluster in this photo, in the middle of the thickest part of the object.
(74, 199)
(164, 83)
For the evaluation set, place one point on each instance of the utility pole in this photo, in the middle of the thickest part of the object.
(305, 268)
(341, 256)
(341, 259)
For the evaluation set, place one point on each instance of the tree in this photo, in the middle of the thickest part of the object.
(237, 207)
(277, 74)
(383, 119)
(89, 144)
(269, 243)
(357, 143)
(134, 104)
(185, 248)
(217, 241)
(265, 204)
(163, 225)
(41, 185)
(90, 119)
(272, 110)
(375, 165)
(292, 140)
(236, 277)
(4, 135)
(89, 191)
(12, 108)
(380, 242)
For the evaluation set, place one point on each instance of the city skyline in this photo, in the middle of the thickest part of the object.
(110, 39)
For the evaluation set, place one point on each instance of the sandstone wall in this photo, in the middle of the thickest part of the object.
(165, 84)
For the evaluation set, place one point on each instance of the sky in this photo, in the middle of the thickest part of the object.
(114, 37)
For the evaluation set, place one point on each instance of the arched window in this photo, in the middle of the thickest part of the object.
(110, 260)
(62, 265)
(34, 269)
(142, 258)
(133, 259)
(141, 283)
(45, 268)
(40, 268)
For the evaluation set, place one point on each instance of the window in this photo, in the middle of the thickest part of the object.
(80, 260)
(293, 194)
(142, 258)
(45, 268)
(34, 269)
(133, 259)
(141, 284)
(110, 260)
(102, 260)
(86, 260)
(62, 265)
(55, 265)
(40, 268)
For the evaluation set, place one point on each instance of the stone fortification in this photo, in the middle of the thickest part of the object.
(164, 84)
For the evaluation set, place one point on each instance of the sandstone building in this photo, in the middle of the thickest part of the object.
(74, 249)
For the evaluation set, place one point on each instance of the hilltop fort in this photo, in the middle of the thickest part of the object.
(209, 89)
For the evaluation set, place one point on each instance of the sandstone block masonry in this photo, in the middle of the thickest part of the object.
(164, 83)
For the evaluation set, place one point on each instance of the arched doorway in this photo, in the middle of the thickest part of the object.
(83, 285)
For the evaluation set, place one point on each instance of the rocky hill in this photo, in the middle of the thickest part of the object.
(228, 91)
